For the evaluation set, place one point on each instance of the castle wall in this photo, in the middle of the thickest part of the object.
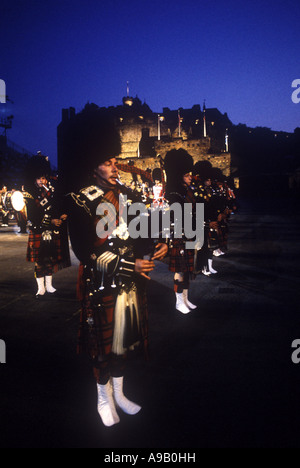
(131, 133)
(138, 127)
(194, 147)
(220, 161)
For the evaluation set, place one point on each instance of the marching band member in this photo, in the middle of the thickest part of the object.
(207, 194)
(21, 216)
(157, 189)
(221, 209)
(4, 212)
(47, 246)
(112, 274)
(212, 221)
(178, 165)
(203, 262)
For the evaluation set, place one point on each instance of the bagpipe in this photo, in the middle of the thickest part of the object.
(156, 208)
(147, 176)
(134, 170)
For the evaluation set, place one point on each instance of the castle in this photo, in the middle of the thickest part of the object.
(146, 135)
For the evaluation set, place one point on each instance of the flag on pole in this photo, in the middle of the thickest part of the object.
(179, 123)
(159, 119)
(158, 127)
(204, 120)
(226, 141)
(204, 126)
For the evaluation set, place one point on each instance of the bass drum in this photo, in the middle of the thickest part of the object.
(14, 201)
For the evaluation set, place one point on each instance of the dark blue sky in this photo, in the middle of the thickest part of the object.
(241, 56)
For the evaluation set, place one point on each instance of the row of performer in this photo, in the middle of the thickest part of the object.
(114, 269)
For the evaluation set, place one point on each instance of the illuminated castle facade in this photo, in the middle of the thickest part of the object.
(147, 135)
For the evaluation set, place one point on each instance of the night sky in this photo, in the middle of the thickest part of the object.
(240, 56)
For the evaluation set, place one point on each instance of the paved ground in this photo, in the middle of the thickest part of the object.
(221, 376)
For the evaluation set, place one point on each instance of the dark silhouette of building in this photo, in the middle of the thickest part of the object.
(147, 135)
(13, 159)
(258, 156)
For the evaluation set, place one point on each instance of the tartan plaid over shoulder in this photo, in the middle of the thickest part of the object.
(97, 318)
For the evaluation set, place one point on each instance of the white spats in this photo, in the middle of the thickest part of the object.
(210, 267)
(41, 286)
(186, 300)
(180, 304)
(122, 402)
(49, 287)
(106, 406)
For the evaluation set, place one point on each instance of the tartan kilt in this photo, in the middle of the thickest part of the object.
(34, 254)
(96, 327)
(181, 259)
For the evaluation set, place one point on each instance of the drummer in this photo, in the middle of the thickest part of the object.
(20, 210)
(3, 210)
(48, 246)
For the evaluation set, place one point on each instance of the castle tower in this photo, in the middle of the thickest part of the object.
(128, 101)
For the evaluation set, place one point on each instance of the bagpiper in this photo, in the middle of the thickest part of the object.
(204, 193)
(47, 242)
(3, 210)
(178, 165)
(221, 209)
(113, 273)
